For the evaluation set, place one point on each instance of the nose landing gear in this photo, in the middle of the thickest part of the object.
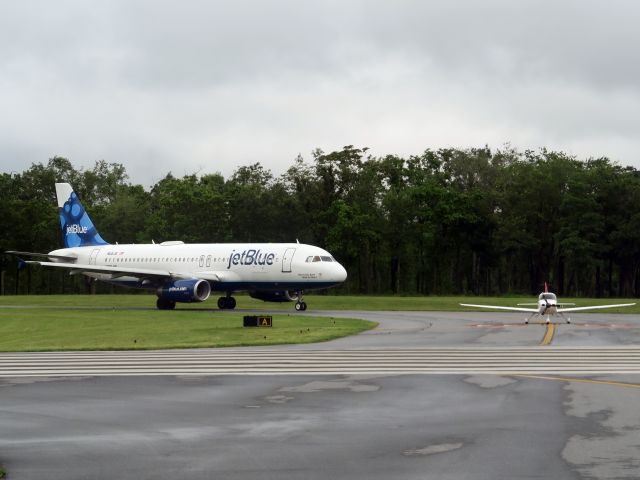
(301, 306)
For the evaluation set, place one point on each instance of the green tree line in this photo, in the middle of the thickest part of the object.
(448, 221)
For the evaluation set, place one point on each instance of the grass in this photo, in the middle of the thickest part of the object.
(3, 474)
(117, 322)
(315, 302)
(39, 329)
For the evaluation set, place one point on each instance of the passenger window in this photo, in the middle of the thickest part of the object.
(208, 260)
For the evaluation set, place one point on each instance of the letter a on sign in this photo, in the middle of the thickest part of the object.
(264, 321)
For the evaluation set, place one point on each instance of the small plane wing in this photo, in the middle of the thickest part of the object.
(595, 307)
(496, 307)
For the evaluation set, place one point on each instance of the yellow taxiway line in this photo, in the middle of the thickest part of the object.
(548, 336)
(582, 380)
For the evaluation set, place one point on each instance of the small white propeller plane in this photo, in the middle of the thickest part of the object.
(547, 305)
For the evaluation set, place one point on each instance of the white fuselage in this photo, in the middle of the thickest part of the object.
(227, 266)
(547, 304)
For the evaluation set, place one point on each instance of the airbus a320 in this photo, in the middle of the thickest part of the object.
(179, 272)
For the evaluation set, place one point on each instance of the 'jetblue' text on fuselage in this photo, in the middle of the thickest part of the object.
(250, 257)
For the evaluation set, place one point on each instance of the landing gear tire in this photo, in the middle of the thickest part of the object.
(301, 306)
(163, 304)
(226, 303)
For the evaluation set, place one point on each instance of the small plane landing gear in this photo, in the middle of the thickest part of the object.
(226, 303)
(566, 319)
(163, 304)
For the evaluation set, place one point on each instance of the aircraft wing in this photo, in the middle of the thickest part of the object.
(497, 307)
(46, 255)
(218, 276)
(116, 271)
(595, 307)
(213, 276)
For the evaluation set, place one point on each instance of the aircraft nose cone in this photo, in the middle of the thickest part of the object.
(341, 273)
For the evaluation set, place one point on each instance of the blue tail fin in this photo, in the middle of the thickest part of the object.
(77, 228)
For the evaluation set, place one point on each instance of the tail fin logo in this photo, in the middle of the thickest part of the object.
(77, 227)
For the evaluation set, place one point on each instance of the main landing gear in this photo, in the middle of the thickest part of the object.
(567, 319)
(300, 305)
(164, 304)
(227, 303)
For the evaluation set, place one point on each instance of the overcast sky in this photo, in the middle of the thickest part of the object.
(206, 86)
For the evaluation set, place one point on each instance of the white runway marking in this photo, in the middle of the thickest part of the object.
(508, 361)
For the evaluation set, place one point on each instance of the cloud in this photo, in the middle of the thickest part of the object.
(210, 86)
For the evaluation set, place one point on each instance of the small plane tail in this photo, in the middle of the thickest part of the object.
(546, 287)
(77, 228)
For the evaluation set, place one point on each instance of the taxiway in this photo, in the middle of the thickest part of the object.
(425, 395)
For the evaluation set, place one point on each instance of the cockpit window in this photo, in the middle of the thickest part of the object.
(319, 258)
(547, 296)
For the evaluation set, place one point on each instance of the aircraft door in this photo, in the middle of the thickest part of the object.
(94, 255)
(286, 260)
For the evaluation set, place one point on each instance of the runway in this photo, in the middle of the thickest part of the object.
(425, 395)
(462, 361)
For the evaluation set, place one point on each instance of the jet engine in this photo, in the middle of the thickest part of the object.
(283, 296)
(192, 290)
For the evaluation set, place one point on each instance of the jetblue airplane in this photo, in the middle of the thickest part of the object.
(179, 272)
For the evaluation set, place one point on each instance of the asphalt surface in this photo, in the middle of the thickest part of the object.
(352, 425)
